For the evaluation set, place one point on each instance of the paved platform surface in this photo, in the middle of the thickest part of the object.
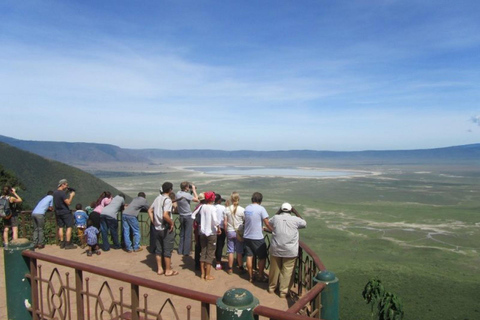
(143, 264)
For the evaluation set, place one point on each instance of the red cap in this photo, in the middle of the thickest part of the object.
(210, 196)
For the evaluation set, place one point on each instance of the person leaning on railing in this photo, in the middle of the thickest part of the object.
(284, 248)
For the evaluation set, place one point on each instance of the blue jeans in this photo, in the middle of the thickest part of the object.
(186, 227)
(109, 224)
(131, 222)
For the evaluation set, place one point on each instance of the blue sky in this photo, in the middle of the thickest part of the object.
(231, 75)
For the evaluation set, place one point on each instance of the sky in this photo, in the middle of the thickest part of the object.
(242, 75)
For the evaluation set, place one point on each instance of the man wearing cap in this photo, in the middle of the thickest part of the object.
(160, 213)
(208, 235)
(63, 214)
(221, 236)
(255, 217)
(185, 212)
(284, 248)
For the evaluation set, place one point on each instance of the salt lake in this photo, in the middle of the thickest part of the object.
(276, 172)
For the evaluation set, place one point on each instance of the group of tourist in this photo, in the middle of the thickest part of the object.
(211, 223)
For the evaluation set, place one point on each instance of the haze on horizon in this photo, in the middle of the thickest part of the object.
(270, 75)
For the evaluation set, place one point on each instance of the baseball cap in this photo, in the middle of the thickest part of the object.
(63, 181)
(218, 197)
(286, 207)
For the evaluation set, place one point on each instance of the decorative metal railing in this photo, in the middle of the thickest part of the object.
(91, 292)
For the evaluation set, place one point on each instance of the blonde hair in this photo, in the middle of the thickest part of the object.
(235, 199)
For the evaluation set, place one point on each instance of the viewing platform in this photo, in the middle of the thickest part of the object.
(106, 297)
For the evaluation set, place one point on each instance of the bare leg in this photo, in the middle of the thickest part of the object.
(14, 233)
(69, 234)
(261, 267)
(5, 235)
(159, 264)
(239, 260)
(208, 268)
(230, 260)
(250, 267)
(60, 234)
(202, 269)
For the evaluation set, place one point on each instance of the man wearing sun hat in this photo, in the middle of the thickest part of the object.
(283, 248)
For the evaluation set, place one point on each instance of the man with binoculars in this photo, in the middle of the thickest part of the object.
(62, 213)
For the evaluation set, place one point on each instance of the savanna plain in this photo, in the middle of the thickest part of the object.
(414, 226)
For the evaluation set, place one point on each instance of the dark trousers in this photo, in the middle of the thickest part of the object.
(109, 224)
(220, 244)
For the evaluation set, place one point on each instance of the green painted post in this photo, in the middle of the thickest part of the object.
(17, 286)
(329, 295)
(236, 304)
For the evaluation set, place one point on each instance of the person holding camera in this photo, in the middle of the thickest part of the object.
(9, 196)
(187, 193)
(63, 214)
(284, 248)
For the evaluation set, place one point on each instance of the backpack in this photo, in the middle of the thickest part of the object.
(5, 211)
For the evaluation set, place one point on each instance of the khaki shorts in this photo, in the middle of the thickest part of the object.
(208, 245)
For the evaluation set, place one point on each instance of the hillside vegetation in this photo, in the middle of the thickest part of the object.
(38, 175)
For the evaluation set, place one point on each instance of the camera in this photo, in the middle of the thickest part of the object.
(191, 188)
(70, 189)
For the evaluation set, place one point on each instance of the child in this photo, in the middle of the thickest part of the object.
(81, 223)
(91, 237)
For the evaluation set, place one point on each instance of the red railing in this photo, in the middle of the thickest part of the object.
(80, 298)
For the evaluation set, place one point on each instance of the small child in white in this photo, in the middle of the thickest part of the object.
(91, 236)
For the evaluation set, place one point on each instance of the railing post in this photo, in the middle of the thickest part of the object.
(300, 271)
(135, 301)
(18, 289)
(79, 294)
(236, 304)
(34, 284)
(329, 295)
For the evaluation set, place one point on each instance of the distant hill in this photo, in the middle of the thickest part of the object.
(40, 175)
(77, 153)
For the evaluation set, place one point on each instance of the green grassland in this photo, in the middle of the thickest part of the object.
(417, 228)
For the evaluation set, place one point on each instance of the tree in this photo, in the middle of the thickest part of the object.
(389, 306)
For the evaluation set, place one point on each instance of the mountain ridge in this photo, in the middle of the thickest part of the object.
(85, 152)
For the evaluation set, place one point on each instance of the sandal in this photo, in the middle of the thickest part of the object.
(229, 271)
(263, 278)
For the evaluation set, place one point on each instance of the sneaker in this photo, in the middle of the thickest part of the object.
(70, 246)
(62, 244)
(40, 246)
(138, 250)
(218, 267)
(89, 253)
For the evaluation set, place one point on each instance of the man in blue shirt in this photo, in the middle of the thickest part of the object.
(255, 217)
(38, 217)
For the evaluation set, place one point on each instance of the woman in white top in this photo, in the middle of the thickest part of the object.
(234, 220)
